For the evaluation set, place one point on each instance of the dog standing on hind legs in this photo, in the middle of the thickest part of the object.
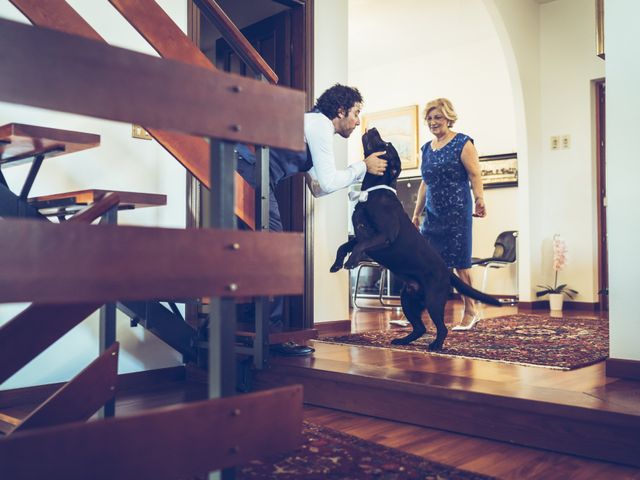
(385, 233)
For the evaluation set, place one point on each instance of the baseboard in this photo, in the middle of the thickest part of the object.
(126, 381)
(619, 368)
(573, 306)
(324, 327)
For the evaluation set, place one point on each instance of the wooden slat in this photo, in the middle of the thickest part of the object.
(90, 78)
(26, 141)
(79, 398)
(96, 209)
(56, 14)
(192, 152)
(236, 39)
(33, 330)
(127, 200)
(162, 33)
(167, 443)
(10, 420)
(59, 263)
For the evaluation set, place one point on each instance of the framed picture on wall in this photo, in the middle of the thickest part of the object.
(600, 28)
(499, 170)
(400, 127)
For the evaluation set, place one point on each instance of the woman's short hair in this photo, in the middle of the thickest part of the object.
(445, 105)
(336, 97)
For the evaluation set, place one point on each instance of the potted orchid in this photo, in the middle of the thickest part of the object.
(557, 292)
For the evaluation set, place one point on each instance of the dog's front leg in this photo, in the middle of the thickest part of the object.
(377, 241)
(341, 253)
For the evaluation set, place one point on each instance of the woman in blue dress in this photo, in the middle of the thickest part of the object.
(449, 162)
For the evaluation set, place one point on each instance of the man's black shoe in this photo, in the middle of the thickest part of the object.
(291, 349)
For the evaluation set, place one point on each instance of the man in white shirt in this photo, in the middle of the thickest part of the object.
(337, 111)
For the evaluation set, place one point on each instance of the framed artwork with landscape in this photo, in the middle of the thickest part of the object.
(499, 170)
(400, 127)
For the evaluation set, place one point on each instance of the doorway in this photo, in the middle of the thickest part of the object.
(280, 32)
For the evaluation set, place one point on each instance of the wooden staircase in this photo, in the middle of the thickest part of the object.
(151, 21)
(136, 264)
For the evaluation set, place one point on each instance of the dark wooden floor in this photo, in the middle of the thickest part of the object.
(500, 459)
(489, 457)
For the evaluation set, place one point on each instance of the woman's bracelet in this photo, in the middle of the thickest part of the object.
(478, 198)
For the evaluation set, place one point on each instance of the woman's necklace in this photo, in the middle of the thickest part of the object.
(442, 143)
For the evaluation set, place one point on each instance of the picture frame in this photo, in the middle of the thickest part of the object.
(600, 28)
(400, 127)
(499, 171)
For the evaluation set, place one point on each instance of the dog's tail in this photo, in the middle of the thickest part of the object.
(469, 291)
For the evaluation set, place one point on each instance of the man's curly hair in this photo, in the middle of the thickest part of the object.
(336, 97)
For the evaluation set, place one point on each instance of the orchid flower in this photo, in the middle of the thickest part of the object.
(559, 262)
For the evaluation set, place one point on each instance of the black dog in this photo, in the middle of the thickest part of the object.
(386, 234)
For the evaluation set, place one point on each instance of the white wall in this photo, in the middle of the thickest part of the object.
(331, 300)
(567, 203)
(622, 48)
(120, 163)
(550, 53)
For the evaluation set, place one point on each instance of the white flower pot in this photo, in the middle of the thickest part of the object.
(555, 301)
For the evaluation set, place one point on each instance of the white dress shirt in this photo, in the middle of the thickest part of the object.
(323, 177)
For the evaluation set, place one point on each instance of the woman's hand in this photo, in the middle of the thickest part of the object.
(375, 164)
(480, 210)
(416, 221)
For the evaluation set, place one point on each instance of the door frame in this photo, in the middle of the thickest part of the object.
(301, 199)
(601, 194)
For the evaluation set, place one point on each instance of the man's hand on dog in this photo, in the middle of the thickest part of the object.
(375, 164)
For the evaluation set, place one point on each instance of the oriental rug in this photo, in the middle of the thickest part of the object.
(523, 339)
(329, 454)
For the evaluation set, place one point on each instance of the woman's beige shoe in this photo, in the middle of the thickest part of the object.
(475, 319)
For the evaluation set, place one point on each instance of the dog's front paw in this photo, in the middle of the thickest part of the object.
(335, 267)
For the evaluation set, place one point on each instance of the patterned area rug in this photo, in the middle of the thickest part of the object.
(524, 339)
(329, 454)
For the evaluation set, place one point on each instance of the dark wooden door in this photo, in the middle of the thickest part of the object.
(603, 255)
(280, 40)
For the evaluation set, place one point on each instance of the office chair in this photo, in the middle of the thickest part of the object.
(504, 254)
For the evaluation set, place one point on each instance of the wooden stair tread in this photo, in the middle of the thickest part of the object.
(81, 198)
(23, 142)
(443, 385)
(567, 421)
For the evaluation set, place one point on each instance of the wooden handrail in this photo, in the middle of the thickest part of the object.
(180, 97)
(192, 152)
(117, 263)
(236, 39)
(217, 434)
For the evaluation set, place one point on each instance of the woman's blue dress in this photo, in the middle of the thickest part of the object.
(447, 222)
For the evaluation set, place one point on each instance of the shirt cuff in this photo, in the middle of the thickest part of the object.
(360, 169)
